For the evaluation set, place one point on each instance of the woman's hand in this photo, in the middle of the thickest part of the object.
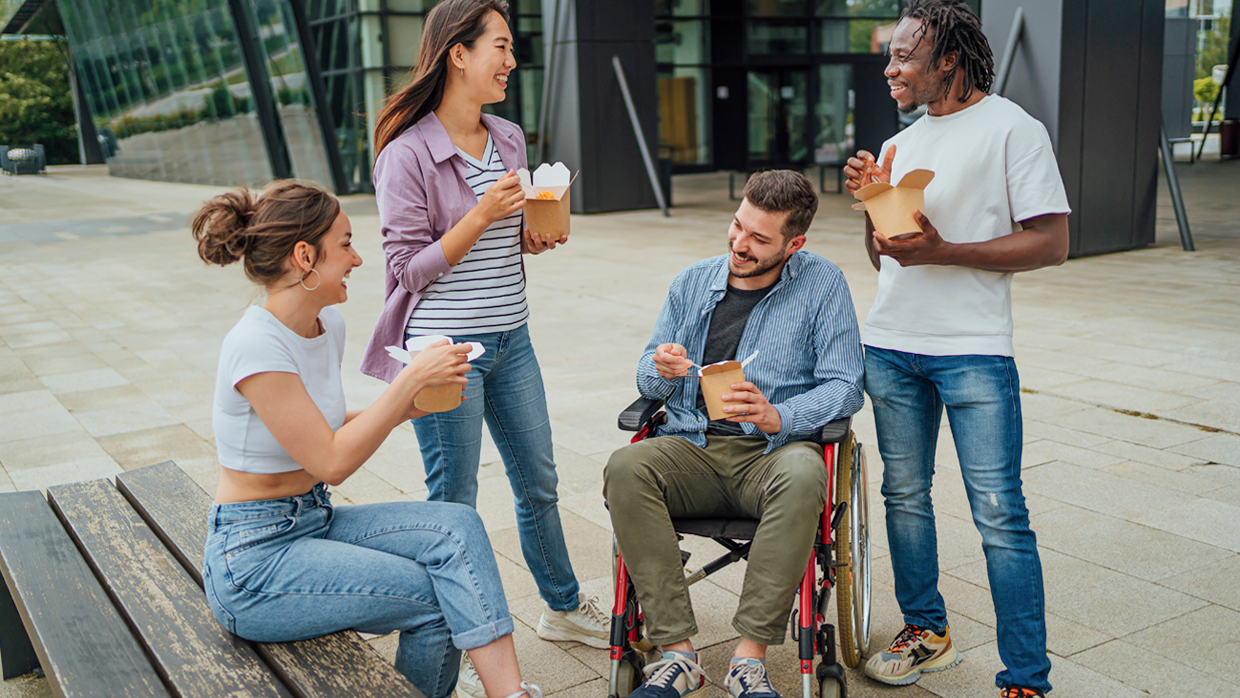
(439, 364)
(502, 199)
(533, 243)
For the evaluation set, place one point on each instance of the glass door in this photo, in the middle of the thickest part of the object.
(779, 118)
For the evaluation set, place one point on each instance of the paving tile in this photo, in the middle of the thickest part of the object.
(1205, 520)
(19, 382)
(1099, 491)
(1197, 639)
(137, 417)
(589, 546)
(42, 451)
(1218, 414)
(62, 473)
(1215, 582)
(136, 449)
(1121, 545)
(103, 399)
(1045, 451)
(1147, 672)
(83, 380)
(1063, 434)
(1152, 378)
(1124, 396)
(1114, 425)
(1099, 598)
(23, 402)
(1151, 456)
(1180, 481)
(364, 487)
(37, 422)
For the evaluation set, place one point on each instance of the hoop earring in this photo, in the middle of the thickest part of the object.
(316, 275)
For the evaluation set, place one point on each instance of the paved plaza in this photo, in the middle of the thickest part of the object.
(1130, 364)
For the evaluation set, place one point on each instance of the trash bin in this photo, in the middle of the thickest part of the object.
(1229, 138)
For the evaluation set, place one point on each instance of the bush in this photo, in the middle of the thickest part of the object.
(35, 106)
(1205, 90)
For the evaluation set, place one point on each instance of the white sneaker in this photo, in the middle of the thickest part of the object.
(588, 624)
(468, 685)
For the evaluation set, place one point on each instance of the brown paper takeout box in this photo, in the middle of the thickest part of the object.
(891, 208)
(545, 217)
(440, 398)
(716, 380)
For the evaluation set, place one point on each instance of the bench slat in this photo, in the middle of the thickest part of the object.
(164, 606)
(83, 644)
(341, 665)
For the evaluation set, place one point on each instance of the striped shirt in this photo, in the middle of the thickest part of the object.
(810, 361)
(485, 291)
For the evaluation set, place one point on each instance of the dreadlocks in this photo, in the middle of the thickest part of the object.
(956, 28)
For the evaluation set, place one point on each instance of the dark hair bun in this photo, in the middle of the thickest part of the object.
(221, 227)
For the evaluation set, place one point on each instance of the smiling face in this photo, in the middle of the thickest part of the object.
(488, 65)
(913, 81)
(757, 248)
(335, 260)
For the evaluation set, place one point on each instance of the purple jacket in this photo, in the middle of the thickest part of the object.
(421, 192)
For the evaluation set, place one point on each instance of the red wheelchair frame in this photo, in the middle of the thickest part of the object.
(811, 632)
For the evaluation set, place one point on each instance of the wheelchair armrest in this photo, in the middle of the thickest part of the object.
(834, 432)
(635, 416)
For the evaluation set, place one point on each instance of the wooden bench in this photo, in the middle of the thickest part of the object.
(102, 589)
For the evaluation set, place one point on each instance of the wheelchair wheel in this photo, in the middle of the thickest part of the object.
(631, 675)
(831, 687)
(852, 555)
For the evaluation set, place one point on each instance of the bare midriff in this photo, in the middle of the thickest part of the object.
(236, 486)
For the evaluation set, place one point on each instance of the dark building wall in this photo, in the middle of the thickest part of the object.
(588, 125)
(1091, 71)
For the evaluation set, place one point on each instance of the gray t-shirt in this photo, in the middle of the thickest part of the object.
(727, 324)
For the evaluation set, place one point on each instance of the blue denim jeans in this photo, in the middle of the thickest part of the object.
(295, 568)
(982, 397)
(506, 391)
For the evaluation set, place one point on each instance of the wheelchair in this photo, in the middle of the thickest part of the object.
(840, 561)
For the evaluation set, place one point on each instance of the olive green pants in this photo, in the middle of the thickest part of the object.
(652, 481)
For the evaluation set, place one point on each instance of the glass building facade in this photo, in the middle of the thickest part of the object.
(243, 91)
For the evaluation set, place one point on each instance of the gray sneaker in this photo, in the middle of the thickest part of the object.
(587, 624)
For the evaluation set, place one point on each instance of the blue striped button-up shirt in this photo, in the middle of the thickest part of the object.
(809, 364)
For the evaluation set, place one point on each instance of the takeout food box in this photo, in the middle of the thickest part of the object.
(717, 379)
(891, 208)
(440, 398)
(547, 199)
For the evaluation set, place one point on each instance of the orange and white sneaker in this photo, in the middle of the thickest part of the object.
(1020, 692)
(914, 651)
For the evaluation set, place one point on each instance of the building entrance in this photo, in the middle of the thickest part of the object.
(779, 118)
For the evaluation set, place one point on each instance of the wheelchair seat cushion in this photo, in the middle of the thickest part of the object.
(732, 529)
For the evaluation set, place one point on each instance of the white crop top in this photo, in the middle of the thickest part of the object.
(259, 343)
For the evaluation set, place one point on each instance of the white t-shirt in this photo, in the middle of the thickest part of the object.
(259, 343)
(993, 166)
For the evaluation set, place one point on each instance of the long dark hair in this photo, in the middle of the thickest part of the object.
(451, 22)
(956, 28)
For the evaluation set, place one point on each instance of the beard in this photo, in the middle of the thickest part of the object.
(761, 265)
(924, 93)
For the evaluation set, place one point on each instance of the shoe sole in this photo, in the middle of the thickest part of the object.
(551, 634)
(916, 672)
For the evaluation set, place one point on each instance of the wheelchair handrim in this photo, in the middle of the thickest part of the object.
(860, 551)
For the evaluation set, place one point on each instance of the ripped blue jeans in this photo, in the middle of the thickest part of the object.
(295, 568)
(982, 397)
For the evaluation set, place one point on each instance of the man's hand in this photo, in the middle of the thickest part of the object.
(534, 243)
(747, 404)
(863, 169)
(916, 249)
(672, 361)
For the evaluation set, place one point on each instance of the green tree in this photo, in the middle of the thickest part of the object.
(35, 104)
(1214, 47)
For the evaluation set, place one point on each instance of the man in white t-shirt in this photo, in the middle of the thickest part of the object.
(940, 334)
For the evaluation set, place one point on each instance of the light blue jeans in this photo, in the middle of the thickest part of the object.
(506, 391)
(295, 568)
(982, 396)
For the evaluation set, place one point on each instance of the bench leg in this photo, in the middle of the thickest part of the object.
(17, 657)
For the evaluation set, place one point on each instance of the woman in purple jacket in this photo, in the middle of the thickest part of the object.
(451, 211)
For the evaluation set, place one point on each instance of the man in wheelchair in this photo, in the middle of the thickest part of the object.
(791, 310)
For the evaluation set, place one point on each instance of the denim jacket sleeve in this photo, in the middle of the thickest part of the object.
(649, 383)
(409, 242)
(838, 369)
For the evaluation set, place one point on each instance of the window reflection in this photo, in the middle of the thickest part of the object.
(167, 89)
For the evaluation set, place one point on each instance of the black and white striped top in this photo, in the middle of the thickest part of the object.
(485, 292)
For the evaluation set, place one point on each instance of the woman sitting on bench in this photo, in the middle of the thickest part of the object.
(281, 563)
